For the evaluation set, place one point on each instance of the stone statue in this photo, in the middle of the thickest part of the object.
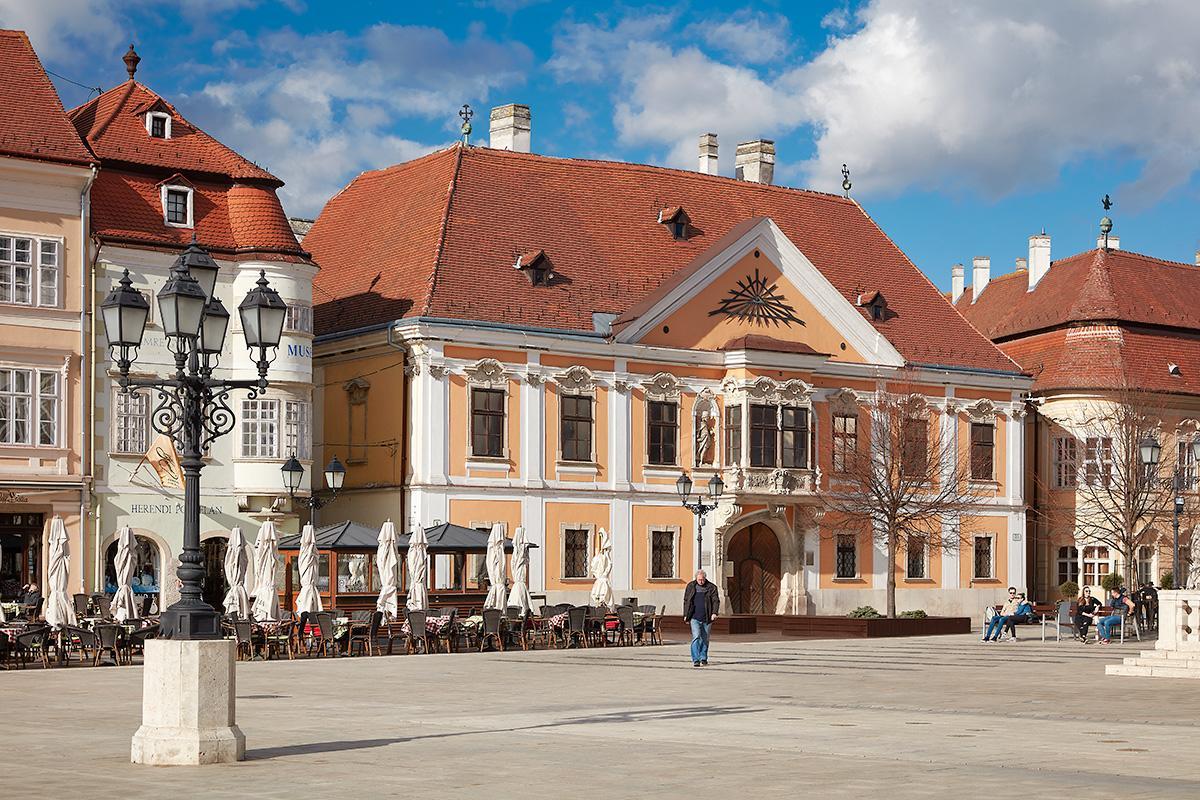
(1193, 572)
(704, 437)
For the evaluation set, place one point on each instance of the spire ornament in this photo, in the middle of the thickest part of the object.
(131, 59)
(846, 184)
(466, 113)
(1106, 224)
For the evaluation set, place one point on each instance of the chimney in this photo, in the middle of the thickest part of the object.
(755, 161)
(708, 153)
(956, 283)
(1198, 258)
(510, 128)
(1114, 242)
(1022, 265)
(981, 273)
(1039, 258)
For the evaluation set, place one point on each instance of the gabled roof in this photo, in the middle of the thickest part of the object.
(33, 124)
(438, 236)
(1093, 286)
(345, 535)
(115, 130)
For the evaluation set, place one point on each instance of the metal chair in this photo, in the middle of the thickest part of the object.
(83, 641)
(417, 632)
(243, 634)
(34, 643)
(1061, 619)
(490, 629)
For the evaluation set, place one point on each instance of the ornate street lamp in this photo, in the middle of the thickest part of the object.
(716, 487)
(192, 407)
(293, 475)
(1150, 452)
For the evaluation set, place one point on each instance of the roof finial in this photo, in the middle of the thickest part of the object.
(466, 113)
(1105, 222)
(131, 59)
(846, 181)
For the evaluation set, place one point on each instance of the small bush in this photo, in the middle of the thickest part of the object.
(1111, 581)
(864, 612)
(1069, 590)
(1167, 581)
(915, 614)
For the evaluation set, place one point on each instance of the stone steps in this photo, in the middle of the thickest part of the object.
(1159, 664)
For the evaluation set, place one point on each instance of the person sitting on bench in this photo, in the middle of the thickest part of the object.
(1085, 614)
(1023, 614)
(996, 625)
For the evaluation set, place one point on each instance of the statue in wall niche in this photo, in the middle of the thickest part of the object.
(705, 440)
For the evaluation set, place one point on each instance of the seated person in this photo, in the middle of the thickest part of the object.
(996, 625)
(1023, 614)
(1121, 605)
(30, 600)
(1085, 613)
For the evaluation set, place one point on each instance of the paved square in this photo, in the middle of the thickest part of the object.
(937, 717)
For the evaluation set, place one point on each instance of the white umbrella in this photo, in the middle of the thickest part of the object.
(418, 570)
(388, 565)
(602, 593)
(237, 567)
(495, 569)
(266, 598)
(2, 617)
(309, 599)
(59, 608)
(519, 596)
(124, 605)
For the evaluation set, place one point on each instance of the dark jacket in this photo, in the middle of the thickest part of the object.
(714, 600)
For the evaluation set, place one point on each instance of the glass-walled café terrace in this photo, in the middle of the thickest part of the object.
(348, 580)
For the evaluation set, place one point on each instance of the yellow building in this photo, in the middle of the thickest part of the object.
(548, 343)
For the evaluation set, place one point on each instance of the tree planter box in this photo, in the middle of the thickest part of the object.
(725, 625)
(848, 628)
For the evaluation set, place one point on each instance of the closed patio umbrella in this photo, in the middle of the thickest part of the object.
(388, 564)
(519, 596)
(237, 565)
(266, 598)
(418, 570)
(309, 599)
(60, 610)
(124, 605)
(3, 618)
(496, 597)
(601, 568)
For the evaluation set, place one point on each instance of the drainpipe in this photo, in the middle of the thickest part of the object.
(85, 417)
(404, 416)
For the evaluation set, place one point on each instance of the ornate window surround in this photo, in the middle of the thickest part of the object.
(579, 381)
(675, 530)
(487, 373)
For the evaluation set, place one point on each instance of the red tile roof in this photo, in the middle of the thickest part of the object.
(33, 124)
(438, 237)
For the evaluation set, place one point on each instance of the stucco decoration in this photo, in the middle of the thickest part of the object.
(735, 478)
(576, 379)
(781, 481)
(663, 386)
(535, 378)
(486, 372)
(765, 389)
(982, 411)
(438, 371)
(622, 386)
(843, 401)
(356, 390)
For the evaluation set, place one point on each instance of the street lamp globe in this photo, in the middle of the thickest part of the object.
(716, 487)
(293, 473)
(263, 313)
(124, 312)
(201, 266)
(335, 475)
(212, 330)
(684, 486)
(181, 304)
(1150, 451)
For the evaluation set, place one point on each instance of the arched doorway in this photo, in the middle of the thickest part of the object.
(214, 588)
(754, 585)
(147, 573)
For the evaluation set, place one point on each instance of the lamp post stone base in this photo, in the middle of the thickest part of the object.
(188, 704)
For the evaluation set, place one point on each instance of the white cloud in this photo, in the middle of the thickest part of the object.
(746, 36)
(65, 31)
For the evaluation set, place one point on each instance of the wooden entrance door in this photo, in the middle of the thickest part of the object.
(754, 587)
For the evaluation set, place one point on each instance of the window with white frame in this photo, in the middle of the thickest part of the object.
(575, 552)
(846, 557)
(1097, 562)
(30, 270)
(662, 553)
(297, 429)
(177, 206)
(30, 403)
(1097, 461)
(263, 421)
(131, 422)
(1186, 459)
(1068, 564)
(299, 318)
(1145, 564)
(158, 124)
(916, 551)
(985, 558)
(1065, 455)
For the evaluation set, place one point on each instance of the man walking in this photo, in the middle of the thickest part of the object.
(701, 602)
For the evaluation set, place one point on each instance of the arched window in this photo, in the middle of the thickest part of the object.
(147, 565)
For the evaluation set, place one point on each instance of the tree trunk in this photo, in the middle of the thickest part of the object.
(891, 577)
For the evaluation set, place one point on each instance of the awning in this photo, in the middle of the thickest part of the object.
(354, 536)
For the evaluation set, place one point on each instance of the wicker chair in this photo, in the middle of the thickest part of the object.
(518, 629)
(137, 641)
(81, 604)
(417, 632)
(489, 630)
(448, 633)
(280, 640)
(106, 607)
(626, 625)
(34, 643)
(576, 627)
(243, 634)
(110, 641)
(323, 642)
(366, 638)
(83, 641)
(651, 630)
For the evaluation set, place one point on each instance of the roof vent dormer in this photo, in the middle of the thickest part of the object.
(875, 304)
(676, 220)
(536, 266)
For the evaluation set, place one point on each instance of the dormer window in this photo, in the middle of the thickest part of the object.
(676, 220)
(177, 206)
(536, 266)
(158, 125)
(875, 304)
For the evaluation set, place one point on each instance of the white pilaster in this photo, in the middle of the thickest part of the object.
(622, 535)
(951, 530)
(619, 442)
(533, 425)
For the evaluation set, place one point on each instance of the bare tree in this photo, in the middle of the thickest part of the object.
(907, 483)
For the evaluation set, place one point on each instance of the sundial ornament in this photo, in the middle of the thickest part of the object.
(757, 300)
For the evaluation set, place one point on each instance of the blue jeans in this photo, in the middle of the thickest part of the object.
(1104, 625)
(995, 627)
(700, 633)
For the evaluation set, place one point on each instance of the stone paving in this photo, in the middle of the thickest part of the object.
(937, 717)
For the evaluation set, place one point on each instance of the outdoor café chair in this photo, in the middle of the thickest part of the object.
(576, 627)
(279, 640)
(1061, 619)
(626, 625)
(595, 623)
(33, 644)
(243, 635)
(417, 632)
(110, 641)
(323, 641)
(448, 632)
(517, 632)
(490, 629)
(366, 637)
(81, 604)
(82, 640)
(106, 607)
(137, 640)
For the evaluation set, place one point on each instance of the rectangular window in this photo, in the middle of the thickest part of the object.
(914, 447)
(131, 418)
(487, 422)
(29, 271)
(158, 126)
(48, 274)
(1145, 564)
(794, 433)
(845, 441)
(297, 429)
(847, 556)
(575, 553)
(985, 564)
(48, 405)
(764, 436)
(662, 554)
(1097, 461)
(1186, 460)
(16, 406)
(663, 434)
(1096, 564)
(733, 435)
(915, 552)
(576, 428)
(1068, 565)
(1066, 462)
(177, 206)
(299, 318)
(260, 428)
(983, 447)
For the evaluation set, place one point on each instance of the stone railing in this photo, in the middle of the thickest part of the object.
(1179, 620)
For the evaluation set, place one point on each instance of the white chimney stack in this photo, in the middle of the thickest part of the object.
(1198, 258)
(510, 128)
(708, 153)
(1039, 258)
(1022, 265)
(956, 283)
(755, 161)
(981, 273)
(1114, 242)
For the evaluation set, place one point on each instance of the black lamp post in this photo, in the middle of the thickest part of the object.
(293, 474)
(192, 406)
(716, 487)
(1151, 454)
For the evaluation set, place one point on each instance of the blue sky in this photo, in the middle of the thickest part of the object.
(966, 126)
